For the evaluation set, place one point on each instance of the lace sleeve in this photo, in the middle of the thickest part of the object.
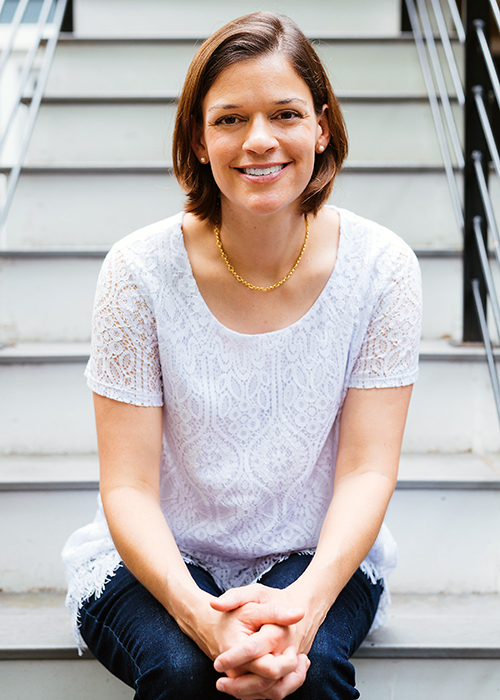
(389, 351)
(124, 360)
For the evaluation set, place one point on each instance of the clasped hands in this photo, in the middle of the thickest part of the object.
(266, 640)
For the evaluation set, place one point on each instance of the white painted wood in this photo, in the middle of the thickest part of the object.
(45, 409)
(392, 132)
(434, 627)
(107, 67)
(415, 204)
(421, 679)
(60, 680)
(448, 538)
(50, 300)
(115, 17)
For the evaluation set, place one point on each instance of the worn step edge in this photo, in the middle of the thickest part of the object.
(145, 167)
(36, 626)
(172, 98)
(187, 36)
(41, 353)
(466, 471)
(26, 253)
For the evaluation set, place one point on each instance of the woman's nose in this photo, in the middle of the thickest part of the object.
(260, 137)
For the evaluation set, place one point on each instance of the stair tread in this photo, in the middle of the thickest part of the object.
(44, 352)
(428, 471)
(37, 626)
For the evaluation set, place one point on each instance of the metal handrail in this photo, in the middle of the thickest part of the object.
(479, 194)
(487, 344)
(443, 92)
(485, 123)
(485, 264)
(450, 56)
(457, 21)
(15, 24)
(35, 103)
(496, 12)
(477, 158)
(436, 112)
(488, 59)
(27, 68)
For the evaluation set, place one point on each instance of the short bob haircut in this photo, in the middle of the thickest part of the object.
(251, 36)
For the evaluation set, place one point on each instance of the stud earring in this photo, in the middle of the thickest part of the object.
(203, 160)
(321, 149)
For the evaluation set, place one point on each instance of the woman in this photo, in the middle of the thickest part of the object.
(252, 363)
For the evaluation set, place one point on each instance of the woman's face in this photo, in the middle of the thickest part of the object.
(260, 134)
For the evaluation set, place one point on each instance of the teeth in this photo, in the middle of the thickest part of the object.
(263, 171)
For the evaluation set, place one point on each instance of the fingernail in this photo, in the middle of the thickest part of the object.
(217, 665)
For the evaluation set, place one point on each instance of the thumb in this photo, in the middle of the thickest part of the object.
(236, 597)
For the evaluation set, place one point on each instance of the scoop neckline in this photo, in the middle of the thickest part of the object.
(293, 325)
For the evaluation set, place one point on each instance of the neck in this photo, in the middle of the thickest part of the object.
(262, 249)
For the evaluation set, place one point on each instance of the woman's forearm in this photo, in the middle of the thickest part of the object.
(349, 531)
(148, 549)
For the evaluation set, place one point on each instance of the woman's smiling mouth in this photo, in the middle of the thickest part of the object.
(259, 172)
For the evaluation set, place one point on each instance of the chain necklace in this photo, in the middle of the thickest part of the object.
(253, 286)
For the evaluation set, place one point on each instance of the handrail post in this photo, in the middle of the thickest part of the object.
(476, 74)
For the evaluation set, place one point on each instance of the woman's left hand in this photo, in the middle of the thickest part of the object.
(254, 653)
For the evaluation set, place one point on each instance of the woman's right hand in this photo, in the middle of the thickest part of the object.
(276, 671)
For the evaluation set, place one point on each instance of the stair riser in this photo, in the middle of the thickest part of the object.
(50, 300)
(376, 679)
(115, 17)
(421, 679)
(122, 203)
(394, 132)
(107, 68)
(60, 680)
(448, 539)
(47, 409)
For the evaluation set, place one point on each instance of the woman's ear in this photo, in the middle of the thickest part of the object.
(198, 141)
(323, 133)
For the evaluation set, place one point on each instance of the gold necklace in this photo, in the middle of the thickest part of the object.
(249, 284)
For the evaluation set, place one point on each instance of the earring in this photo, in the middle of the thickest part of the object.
(203, 160)
(321, 149)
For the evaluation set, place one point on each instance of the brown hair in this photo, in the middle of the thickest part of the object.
(249, 37)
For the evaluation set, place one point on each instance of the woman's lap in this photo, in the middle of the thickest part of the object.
(131, 633)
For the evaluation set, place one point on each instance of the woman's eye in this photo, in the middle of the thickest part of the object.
(286, 116)
(227, 121)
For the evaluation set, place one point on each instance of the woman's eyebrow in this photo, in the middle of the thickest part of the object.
(221, 106)
(285, 101)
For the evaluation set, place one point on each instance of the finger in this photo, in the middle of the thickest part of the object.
(275, 666)
(269, 639)
(290, 683)
(272, 614)
(236, 597)
(246, 687)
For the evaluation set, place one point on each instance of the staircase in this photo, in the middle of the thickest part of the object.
(97, 169)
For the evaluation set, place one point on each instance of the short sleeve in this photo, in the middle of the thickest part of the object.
(390, 349)
(124, 360)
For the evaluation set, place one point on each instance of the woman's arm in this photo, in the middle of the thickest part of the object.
(371, 432)
(130, 442)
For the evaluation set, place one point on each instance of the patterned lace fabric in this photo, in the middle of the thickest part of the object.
(250, 421)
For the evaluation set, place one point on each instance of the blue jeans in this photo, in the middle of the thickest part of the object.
(132, 634)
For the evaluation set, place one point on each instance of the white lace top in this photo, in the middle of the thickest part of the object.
(250, 421)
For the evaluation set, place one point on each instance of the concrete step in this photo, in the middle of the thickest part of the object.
(63, 285)
(124, 128)
(50, 209)
(445, 515)
(433, 646)
(121, 65)
(118, 17)
(452, 408)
